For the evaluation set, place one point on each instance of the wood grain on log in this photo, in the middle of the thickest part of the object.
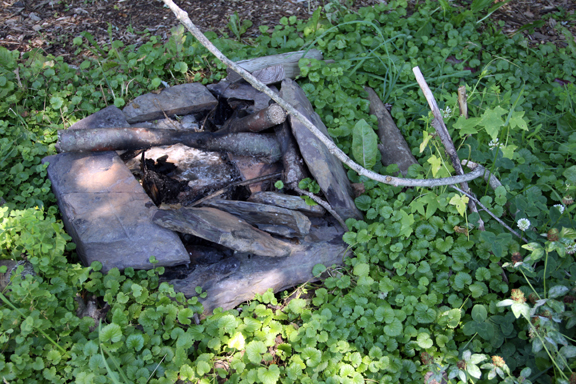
(294, 167)
(222, 228)
(288, 60)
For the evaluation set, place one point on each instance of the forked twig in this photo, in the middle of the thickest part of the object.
(182, 16)
(490, 213)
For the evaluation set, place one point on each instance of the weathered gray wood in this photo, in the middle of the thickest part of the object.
(326, 169)
(294, 167)
(177, 100)
(268, 218)
(270, 75)
(289, 61)
(252, 167)
(108, 214)
(288, 202)
(222, 228)
(394, 148)
(256, 274)
(241, 91)
(106, 139)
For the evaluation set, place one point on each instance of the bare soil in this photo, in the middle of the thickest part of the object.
(51, 25)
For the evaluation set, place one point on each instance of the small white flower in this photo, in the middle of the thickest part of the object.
(560, 207)
(495, 144)
(446, 113)
(523, 224)
(382, 295)
(571, 249)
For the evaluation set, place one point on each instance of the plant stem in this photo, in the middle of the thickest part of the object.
(530, 284)
(7, 302)
(545, 268)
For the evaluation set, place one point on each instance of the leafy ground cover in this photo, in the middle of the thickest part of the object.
(425, 292)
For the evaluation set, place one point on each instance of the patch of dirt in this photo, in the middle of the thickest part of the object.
(51, 25)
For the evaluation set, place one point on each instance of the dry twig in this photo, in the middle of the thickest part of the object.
(324, 204)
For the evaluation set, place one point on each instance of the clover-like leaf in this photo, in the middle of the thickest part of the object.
(237, 341)
(135, 341)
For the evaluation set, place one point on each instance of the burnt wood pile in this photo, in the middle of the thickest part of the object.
(187, 175)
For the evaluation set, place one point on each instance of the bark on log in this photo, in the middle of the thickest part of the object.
(294, 167)
(394, 148)
(256, 122)
(288, 60)
(110, 139)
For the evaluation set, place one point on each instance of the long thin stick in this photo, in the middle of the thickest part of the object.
(442, 131)
(395, 181)
(323, 204)
(490, 213)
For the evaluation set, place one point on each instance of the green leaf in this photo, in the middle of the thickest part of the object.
(570, 174)
(318, 270)
(435, 163)
(466, 126)
(111, 333)
(297, 306)
(460, 201)
(424, 340)
(184, 315)
(227, 323)
(56, 102)
(516, 120)
(556, 291)
(237, 341)
(361, 269)
(186, 373)
(270, 375)
(479, 312)
(521, 309)
(254, 351)
(473, 371)
(202, 367)
(364, 144)
(135, 341)
(492, 121)
(393, 329)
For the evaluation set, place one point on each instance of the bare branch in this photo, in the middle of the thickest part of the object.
(185, 20)
(324, 204)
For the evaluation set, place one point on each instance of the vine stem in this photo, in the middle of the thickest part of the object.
(182, 16)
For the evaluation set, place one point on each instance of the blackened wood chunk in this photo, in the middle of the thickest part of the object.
(326, 169)
(222, 228)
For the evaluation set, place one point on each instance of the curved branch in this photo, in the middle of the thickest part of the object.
(182, 16)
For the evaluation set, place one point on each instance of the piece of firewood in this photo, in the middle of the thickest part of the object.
(112, 139)
(294, 167)
(256, 122)
(288, 61)
(462, 104)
